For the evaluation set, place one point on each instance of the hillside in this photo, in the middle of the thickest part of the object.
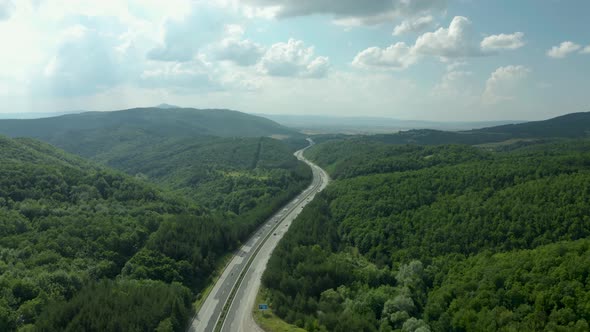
(65, 223)
(439, 238)
(75, 235)
(218, 158)
(92, 133)
(575, 125)
(225, 174)
(569, 126)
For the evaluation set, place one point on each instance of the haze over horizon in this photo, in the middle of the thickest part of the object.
(455, 60)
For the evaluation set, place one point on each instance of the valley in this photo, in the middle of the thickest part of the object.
(294, 166)
(163, 221)
(418, 229)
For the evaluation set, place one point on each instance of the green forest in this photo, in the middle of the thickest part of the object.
(440, 238)
(87, 247)
(118, 220)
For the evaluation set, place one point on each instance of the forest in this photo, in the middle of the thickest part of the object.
(440, 238)
(81, 243)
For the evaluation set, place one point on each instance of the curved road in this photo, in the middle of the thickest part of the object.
(241, 276)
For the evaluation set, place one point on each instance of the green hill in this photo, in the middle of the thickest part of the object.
(213, 156)
(439, 238)
(67, 224)
(226, 174)
(93, 133)
(76, 235)
(575, 125)
(569, 126)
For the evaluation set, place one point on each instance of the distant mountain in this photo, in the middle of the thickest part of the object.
(92, 133)
(575, 125)
(570, 125)
(361, 124)
(167, 106)
(35, 115)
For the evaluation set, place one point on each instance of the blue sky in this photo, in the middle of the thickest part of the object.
(409, 59)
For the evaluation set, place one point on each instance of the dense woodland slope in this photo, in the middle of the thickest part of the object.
(84, 247)
(223, 159)
(224, 174)
(65, 224)
(408, 237)
(440, 238)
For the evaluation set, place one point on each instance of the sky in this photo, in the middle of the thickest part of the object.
(442, 60)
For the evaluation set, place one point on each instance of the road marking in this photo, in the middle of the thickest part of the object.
(248, 270)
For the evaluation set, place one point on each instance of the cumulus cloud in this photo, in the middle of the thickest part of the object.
(413, 25)
(503, 42)
(586, 50)
(6, 9)
(293, 59)
(187, 77)
(458, 40)
(183, 37)
(86, 62)
(563, 50)
(397, 56)
(350, 12)
(453, 84)
(502, 83)
(242, 52)
(455, 65)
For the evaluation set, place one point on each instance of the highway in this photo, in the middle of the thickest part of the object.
(236, 288)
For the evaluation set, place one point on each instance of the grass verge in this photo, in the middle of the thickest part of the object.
(267, 320)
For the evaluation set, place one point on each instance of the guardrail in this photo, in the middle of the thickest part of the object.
(221, 320)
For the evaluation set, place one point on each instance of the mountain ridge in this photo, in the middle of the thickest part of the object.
(93, 133)
(572, 125)
(181, 118)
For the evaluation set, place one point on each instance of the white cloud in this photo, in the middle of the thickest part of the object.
(24, 46)
(6, 9)
(457, 40)
(74, 70)
(242, 52)
(563, 50)
(503, 82)
(293, 59)
(586, 50)
(183, 37)
(348, 12)
(503, 42)
(397, 56)
(455, 65)
(100, 61)
(340, 93)
(186, 77)
(413, 25)
(234, 31)
(453, 84)
(318, 67)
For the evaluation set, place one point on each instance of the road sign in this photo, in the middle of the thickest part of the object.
(263, 307)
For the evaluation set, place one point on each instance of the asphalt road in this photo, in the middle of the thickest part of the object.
(249, 263)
